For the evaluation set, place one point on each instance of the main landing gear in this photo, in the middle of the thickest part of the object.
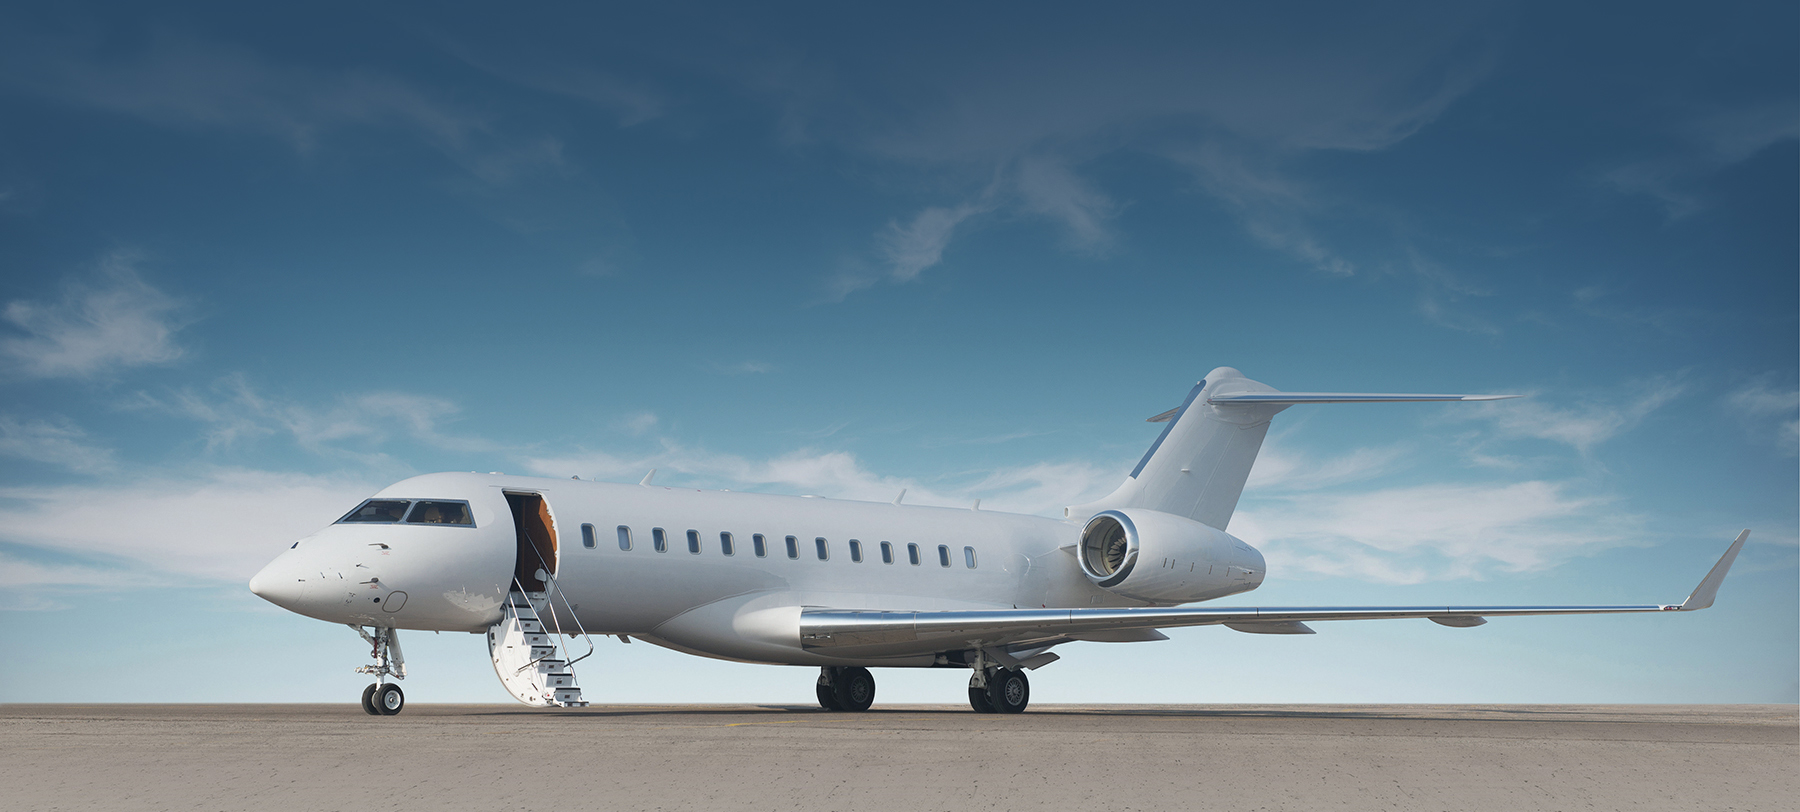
(383, 698)
(845, 688)
(999, 690)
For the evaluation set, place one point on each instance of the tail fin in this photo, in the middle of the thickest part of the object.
(1198, 466)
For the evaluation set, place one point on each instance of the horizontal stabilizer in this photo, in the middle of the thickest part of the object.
(1291, 398)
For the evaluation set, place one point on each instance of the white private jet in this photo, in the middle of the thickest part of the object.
(846, 586)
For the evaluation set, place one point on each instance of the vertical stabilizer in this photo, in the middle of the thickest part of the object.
(1198, 466)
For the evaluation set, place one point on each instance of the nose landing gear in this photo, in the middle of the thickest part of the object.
(383, 698)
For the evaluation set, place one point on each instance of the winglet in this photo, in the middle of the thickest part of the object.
(1709, 586)
(648, 477)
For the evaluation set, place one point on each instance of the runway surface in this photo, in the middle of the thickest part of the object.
(924, 757)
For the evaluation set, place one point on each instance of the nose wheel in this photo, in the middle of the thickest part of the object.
(383, 698)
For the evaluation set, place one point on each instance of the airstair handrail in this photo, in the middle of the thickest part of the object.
(557, 591)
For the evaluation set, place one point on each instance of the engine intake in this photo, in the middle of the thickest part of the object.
(1165, 559)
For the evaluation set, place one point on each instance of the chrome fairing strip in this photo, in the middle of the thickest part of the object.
(835, 627)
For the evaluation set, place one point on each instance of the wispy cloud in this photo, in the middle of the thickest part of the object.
(234, 412)
(1769, 409)
(1278, 470)
(1051, 189)
(1041, 489)
(1432, 533)
(177, 79)
(114, 322)
(1241, 121)
(1709, 143)
(221, 524)
(1275, 210)
(59, 443)
(1587, 424)
(634, 102)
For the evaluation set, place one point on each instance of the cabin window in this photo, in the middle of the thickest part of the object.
(912, 553)
(624, 537)
(694, 542)
(969, 557)
(887, 553)
(943, 555)
(725, 545)
(793, 547)
(819, 545)
(376, 511)
(856, 551)
(440, 513)
(756, 541)
(587, 536)
(659, 539)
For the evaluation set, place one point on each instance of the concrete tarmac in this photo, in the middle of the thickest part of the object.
(923, 757)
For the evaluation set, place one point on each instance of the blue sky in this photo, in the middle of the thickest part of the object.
(259, 264)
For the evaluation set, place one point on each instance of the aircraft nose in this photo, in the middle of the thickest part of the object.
(278, 584)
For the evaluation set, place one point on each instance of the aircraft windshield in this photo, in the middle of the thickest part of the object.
(377, 511)
(440, 513)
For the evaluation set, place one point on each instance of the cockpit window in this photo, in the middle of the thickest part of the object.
(440, 513)
(377, 511)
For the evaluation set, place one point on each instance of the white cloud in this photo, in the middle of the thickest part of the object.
(1274, 209)
(1049, 188)
(180, 80)
(224, 524)
(1278, 470)
(633, 102)
(911, 248)
(19, 573)
(120, 321)
(234, 412)
(1041, 489)
(60, 443)
(1585, 425)
(639, 423)
(1433, 532)
(1712, 142)
(1762, 402)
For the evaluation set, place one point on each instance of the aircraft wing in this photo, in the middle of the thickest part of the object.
(896, 632)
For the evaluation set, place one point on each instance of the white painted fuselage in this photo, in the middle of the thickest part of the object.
(741, 605)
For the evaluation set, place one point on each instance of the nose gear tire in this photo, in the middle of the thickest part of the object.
(369, 700)
(389, 699)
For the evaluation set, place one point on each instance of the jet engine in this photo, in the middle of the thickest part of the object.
(1165, 559)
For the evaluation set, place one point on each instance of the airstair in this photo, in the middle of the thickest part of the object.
(526, 655)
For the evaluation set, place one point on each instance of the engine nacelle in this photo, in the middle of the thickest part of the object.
(1164, 558)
